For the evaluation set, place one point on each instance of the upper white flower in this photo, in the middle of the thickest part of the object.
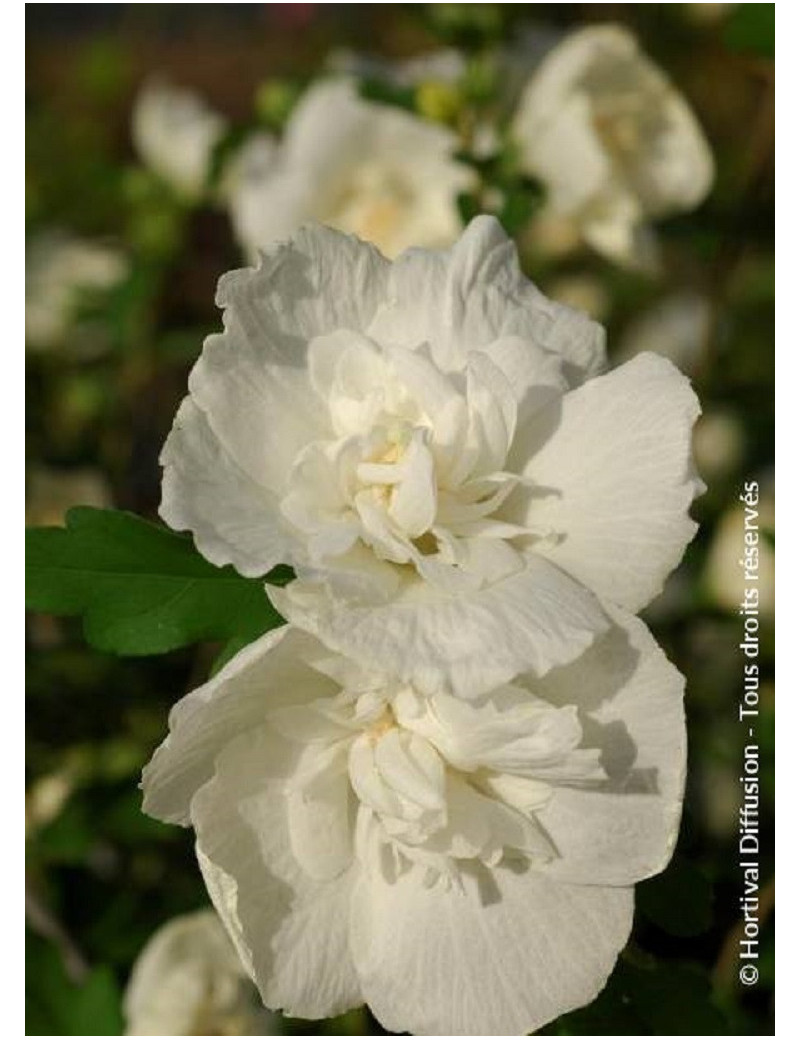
(370, 169)
(463, 868)
(412, 439)
(612, 139)
(189, 981)
(175, 132)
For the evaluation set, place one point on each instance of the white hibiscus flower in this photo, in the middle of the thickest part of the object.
(370, 169)
(189, 981)
(412, 439)
(461, 867)
(62, 273)
(175, 132)
(614, 142)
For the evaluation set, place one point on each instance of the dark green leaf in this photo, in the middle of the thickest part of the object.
(140, 588)
(679, 901)
(229, 650)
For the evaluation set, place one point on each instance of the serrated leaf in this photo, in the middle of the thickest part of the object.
(679, 901)
(139, 587)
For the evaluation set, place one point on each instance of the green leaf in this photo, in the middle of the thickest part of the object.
(96, 1006)
(229, 650)
(679, 901)
(56, 1006)
(140, 588)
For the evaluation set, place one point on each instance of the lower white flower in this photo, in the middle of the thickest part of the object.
(461, 867)
(189, 981)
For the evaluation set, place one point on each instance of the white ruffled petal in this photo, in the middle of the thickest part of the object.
(618, 470)
(474, 294)
(268, 673)
(533, 620)
(233, 518)
(500, 957)
(290, 930)
(631, 703)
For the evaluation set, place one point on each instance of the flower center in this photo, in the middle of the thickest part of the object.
(434, 780)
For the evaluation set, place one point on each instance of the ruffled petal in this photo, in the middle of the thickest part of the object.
(290, 930)
(630, 700)
(533, 620)
(269, 673)
(253, 381)
(501, 956)
(618, 480)
(468, 297)
(233, 519)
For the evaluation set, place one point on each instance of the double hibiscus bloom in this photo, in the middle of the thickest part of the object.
(434, 789)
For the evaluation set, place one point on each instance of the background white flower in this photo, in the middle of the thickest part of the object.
(189, 981)
(678, 327)
(175, 132)
(61, 273)
(411, 439)
(361, 167)
(614, 142)
(464, 868)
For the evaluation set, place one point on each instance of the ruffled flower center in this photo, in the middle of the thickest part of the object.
(414, 465)
(404, 781)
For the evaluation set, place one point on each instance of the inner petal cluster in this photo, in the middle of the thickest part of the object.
(413, 467)
(401, 780)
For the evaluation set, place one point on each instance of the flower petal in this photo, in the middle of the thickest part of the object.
(619, 465)
(269, 673)
(233, 519)
(290, 930)
(252, 381)
(631, 703)
(503, 956)
(532, 620)
(468, 297)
